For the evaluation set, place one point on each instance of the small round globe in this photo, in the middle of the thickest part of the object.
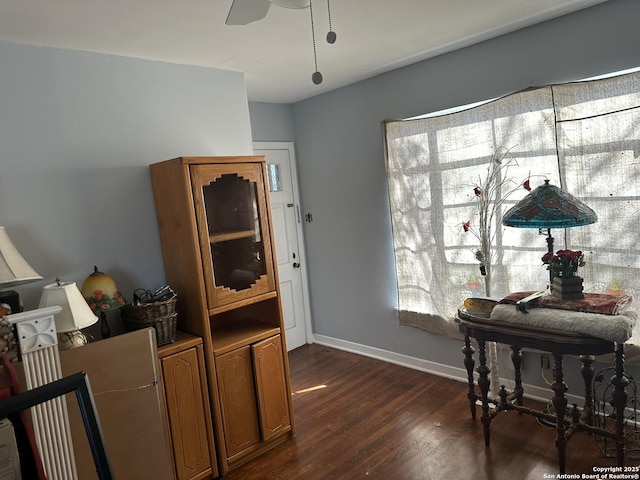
(100, 292)
(316, 78)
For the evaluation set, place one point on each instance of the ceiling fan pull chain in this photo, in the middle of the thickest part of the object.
(317, 76)
(331, 36)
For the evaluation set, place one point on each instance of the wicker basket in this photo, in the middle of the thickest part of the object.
(160, 315)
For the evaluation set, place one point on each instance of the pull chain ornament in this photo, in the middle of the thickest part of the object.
(317, 76)
(331, 39)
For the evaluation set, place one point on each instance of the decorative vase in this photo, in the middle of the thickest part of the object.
(567, 288)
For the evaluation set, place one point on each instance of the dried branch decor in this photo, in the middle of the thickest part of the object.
(490, 193)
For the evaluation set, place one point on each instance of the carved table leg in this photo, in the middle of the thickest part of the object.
(516, 358)
(619, 401)
(587, 375)
(560, 405)
(469, 363)
(483, 383)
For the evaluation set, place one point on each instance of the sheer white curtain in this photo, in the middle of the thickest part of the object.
(584, 137)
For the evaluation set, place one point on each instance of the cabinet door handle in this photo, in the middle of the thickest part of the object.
(296, 264)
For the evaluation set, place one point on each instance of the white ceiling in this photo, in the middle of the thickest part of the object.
(373, 36)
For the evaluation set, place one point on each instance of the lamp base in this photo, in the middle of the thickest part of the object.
(69, 340)
(105, 331)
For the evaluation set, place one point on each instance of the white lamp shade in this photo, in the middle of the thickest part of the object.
(75, 313)
(14, 270)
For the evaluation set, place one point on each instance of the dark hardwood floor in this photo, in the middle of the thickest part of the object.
(360, 418)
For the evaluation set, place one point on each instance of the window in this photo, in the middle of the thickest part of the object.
(584, 137)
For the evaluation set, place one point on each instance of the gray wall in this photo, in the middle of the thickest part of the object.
(271, 122)
(77, 133)
(78, 130)
(338, 138)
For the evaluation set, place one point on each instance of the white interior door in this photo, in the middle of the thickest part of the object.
(285, 212)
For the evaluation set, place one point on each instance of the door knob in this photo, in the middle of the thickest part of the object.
(296, 265)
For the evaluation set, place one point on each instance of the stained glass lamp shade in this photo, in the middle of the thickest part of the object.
(547, 207)
(101, 293)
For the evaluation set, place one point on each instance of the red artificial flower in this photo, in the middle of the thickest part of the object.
(564, 263)
(527, 185)
(477, 191)
(467, 226)
(570, 255)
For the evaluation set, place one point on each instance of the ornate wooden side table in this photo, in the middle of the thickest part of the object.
(558, 343)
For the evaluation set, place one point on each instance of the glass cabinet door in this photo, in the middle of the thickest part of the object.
(232, 215)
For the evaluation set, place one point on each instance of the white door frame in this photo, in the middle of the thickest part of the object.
(299, 230)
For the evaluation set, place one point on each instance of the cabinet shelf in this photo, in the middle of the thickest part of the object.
(226, 338)
(243, 303)
(237, 235)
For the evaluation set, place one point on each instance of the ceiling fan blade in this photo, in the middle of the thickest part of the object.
(292, 3)
(247, 11)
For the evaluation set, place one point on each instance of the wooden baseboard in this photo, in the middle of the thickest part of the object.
(455, 373)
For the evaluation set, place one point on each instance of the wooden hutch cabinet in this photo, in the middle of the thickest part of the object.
(188, 411)
(216, 234)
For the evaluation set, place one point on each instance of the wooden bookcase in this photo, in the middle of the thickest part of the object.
(216, 235)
